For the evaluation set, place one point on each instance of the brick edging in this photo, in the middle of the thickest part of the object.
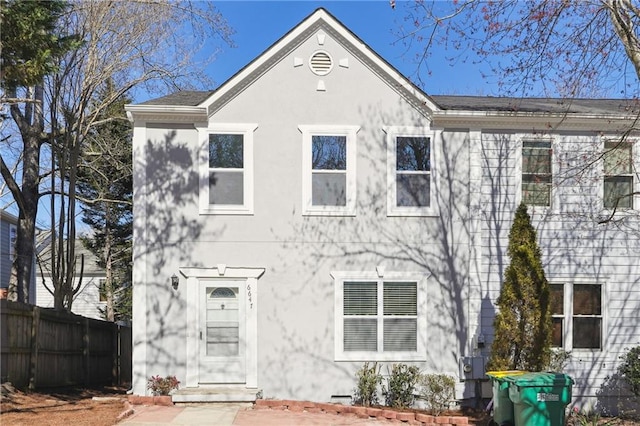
(386, 413)
(128, 411)
(165, 400)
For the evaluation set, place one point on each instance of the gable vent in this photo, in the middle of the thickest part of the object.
(321, 63)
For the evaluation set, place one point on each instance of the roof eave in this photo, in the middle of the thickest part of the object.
(164, 113)
(511, 120)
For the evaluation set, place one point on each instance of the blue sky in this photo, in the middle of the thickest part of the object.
(258, 24)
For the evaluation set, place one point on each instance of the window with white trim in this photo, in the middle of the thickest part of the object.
(618, 175)
(379, 318)
(329, 169)
(13, 237)
(577, 315)
(410, 179)
(226, 179)
(102, 289)
(536, 173)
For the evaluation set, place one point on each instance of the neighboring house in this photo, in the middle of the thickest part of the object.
(8, 236)
(90, 297)
(318, 210)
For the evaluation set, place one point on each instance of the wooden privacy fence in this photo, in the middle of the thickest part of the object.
(42, 347)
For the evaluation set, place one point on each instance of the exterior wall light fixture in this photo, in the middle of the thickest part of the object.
(174, 281)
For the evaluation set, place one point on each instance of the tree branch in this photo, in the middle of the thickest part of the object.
(12, 184)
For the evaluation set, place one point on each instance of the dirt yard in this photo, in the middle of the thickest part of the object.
(78, 407)
(101, 407)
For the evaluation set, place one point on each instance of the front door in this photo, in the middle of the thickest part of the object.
(222, 332)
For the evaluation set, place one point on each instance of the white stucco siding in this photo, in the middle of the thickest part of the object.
(296, 311)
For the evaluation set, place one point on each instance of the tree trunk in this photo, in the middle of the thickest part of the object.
(109, 293)
(22, 269)
(30, 125)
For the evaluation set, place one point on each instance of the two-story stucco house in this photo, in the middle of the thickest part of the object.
(318, 210)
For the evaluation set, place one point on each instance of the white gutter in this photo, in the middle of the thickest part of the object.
(526, 120)
(165, 112)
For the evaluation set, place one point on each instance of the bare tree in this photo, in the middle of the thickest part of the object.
(140, 47)
(580, 48)
(548, 48)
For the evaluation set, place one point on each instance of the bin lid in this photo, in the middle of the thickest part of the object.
(505, 374)
(542, 379)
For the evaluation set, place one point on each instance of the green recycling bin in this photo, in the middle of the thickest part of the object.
(540, 399)
(502, 406)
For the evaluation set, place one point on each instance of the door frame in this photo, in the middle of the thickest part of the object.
(249, 276)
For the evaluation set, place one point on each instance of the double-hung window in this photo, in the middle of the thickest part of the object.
(102, 289)
(536, 173)
(379, 318)
(618, 175)
(329, 169)
(226, 175)
(577, 315)
(13, 237)
(410, 178)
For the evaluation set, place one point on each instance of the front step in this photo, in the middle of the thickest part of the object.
(215, 394)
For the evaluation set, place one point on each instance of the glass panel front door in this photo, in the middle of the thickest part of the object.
(223, 328)
(222, 332)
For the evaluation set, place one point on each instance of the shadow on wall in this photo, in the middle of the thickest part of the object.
(166, 184)
(616, 399)
(437, 246)
(575, 246)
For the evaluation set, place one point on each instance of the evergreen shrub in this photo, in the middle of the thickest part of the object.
(401, 385)
(522, 326)
(368, 379)
(438, 390)
(630, 369)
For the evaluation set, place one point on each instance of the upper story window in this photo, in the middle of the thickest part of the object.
(226, 179)
(329, 170)
(618, 175)
(226, 169)
(13, 237)
(536, 173)
(410, 179)
(577, 313)
(379, 318)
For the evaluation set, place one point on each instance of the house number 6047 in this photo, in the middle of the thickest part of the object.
(249, 296)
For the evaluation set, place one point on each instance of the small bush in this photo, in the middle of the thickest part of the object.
(586, 417)
(162, 385)
(438, 390)
(401, 384)
(366, 391)
(630, 369)
(558, 361)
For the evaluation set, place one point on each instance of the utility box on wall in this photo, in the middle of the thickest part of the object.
(472, 368)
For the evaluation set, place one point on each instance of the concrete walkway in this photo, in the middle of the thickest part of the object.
(236, 414)
(192, 414)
